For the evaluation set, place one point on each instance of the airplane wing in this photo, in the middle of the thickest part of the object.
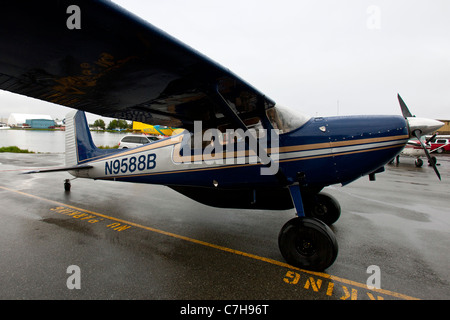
(94, 56)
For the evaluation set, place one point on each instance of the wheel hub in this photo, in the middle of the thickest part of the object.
(320, 209)
(305, 247)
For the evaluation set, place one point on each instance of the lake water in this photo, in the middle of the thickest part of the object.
(50, 141)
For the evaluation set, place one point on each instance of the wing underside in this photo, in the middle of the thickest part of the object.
(116, 65)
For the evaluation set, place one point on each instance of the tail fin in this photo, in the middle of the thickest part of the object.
(80, 147)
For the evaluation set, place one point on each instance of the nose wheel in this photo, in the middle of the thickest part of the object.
(308, 243)
(418, 162)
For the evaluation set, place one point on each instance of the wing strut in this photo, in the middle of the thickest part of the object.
(73, 168)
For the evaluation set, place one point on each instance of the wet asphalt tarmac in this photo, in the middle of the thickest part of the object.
(133, 241)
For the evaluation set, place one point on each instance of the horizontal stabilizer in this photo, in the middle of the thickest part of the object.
(80, 167)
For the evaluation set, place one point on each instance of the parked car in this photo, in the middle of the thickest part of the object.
(133, 141)
(442, 144)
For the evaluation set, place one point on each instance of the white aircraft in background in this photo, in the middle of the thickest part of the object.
(414, 149)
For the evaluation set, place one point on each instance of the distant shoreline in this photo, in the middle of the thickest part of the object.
(62, 130)
(15, 149)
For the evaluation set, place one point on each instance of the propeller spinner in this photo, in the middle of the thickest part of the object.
(419, 127)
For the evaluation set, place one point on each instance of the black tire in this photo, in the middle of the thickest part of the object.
(67, 186)
(418, 162)
(323, 207)
(308, 243)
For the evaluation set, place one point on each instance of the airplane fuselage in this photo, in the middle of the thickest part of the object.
(324, 151)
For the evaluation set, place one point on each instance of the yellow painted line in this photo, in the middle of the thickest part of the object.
(225, 249)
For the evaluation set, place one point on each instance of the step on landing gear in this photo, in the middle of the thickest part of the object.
(307, 242)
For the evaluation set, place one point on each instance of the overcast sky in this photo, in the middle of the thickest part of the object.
(321, 57)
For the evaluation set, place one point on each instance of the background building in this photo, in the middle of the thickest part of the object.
(40, 123)
(445, 130)
(20, 120)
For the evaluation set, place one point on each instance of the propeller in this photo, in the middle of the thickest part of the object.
(432, 162)
(405, 111)
(431, 138)
(419, 127)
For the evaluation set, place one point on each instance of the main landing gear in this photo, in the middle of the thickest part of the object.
(306, 241)
(67, 184)
(419, 162)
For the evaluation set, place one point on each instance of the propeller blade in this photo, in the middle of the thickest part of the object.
(405, 111)
(431, 138)
(416, 133)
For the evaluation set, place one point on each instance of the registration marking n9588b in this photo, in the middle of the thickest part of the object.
(131, 164)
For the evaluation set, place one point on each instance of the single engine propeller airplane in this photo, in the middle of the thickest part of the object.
(414, 149)
(94, 56)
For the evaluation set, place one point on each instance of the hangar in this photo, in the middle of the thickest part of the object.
(445, 130)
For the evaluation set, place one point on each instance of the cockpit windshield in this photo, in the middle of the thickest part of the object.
(286, 120)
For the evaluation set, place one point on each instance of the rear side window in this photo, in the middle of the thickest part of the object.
(132, 139)
(127, 139)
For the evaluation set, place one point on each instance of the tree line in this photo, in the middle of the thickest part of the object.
(113, 125)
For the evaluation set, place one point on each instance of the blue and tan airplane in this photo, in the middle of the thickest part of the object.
(93, 56)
